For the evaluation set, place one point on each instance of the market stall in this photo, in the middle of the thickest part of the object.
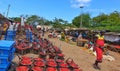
(113, 39)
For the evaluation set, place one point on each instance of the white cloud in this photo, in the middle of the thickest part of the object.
(83, 1)
(78, 3)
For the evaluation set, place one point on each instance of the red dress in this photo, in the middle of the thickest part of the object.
(99, 50)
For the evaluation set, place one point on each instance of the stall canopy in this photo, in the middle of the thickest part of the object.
(3, 19)
(112, 37)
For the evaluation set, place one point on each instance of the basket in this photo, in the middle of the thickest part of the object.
(37, 69)
(22, 68)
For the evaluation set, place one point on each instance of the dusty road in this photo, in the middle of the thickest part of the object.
(84, 59)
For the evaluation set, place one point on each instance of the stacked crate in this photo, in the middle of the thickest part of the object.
(6, 54)
(10, 35)
(29, 36)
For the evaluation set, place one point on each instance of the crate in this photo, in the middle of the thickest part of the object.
(11, 52)
(4, 44)
(6, 59)
(6, 52)
(31, 40)
(29, 36)
(4, 67)
(10, 35)
(6, 47)
(11, 32)
(11, 38)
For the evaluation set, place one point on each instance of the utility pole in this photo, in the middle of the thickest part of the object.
(81, 16)
(8, 11)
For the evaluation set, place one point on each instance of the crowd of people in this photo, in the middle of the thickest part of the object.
(97, 40)
(8, 26)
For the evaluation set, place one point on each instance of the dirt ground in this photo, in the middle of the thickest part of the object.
(84, 59)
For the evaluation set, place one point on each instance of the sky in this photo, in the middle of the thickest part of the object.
(64, 9)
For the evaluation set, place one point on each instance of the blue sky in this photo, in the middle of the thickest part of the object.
(65, 9)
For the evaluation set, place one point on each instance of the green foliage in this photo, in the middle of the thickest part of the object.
(62, 24)
(85, 20)
(31, 19)
(108, 22)
(76, 21)
(42, 21)
(16, 19)
(59, 23)
(101, 22)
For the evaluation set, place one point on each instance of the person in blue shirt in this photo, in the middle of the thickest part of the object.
(76, 34)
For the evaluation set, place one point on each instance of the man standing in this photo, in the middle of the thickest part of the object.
(99, 44)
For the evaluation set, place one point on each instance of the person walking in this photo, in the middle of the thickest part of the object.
(99, 45)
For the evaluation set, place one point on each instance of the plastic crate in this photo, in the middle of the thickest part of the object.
(29, 36)
(31, 40)
(11, 32)
(9, 37)
(11, 52)
(5, 59)
(6, 47)
(4, 44)
(4, 67)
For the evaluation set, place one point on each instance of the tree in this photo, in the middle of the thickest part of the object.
(85, 20)
(57, 23)
(48, 22)
(105, 20)
(114, 18)
(108, 21)
(16, 19)
(33, 18)
(101, 19)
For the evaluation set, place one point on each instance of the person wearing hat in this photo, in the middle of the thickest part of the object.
(99, 44)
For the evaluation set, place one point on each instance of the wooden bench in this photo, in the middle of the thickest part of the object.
(81, 42)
